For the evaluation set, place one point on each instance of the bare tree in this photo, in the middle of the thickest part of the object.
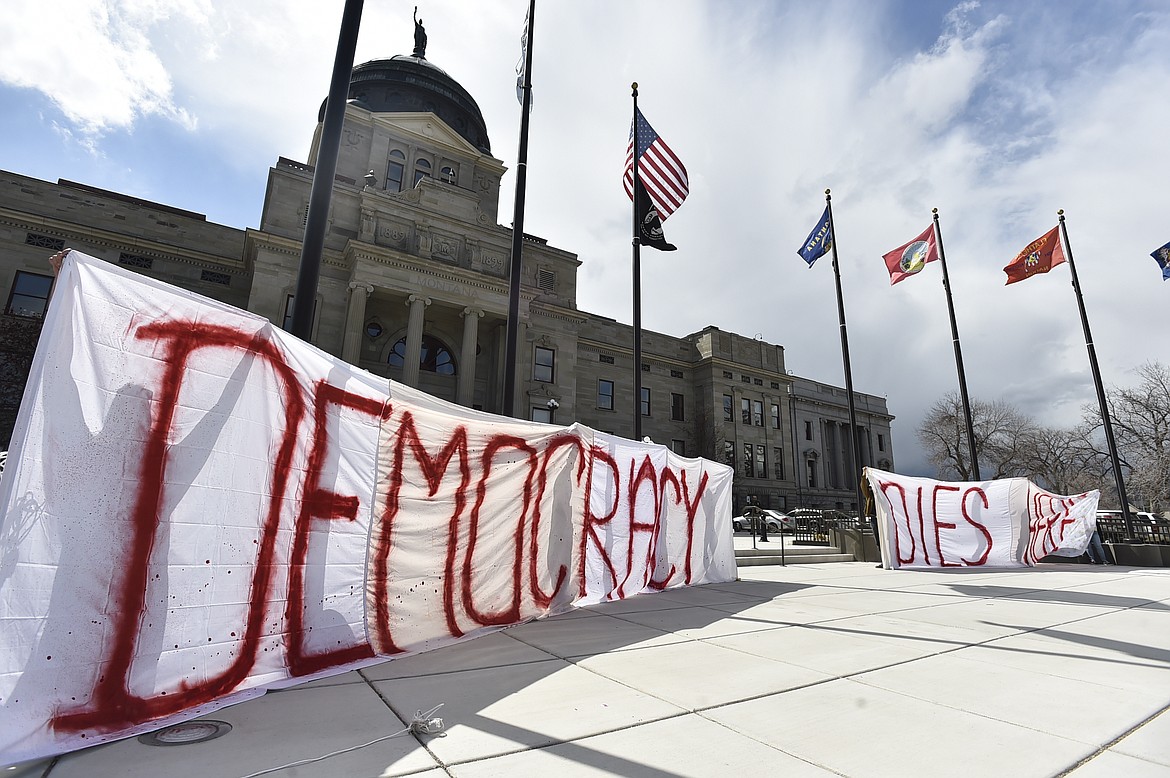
(1066, 461)
(1141, 428)
(1003, 438)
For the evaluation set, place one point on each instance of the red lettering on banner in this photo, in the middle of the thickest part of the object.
(940, 524)
(592, 521)
(433, 469)
(922, 528)
(510, 614)
(1047, 512)
(645, 474)
(692, 508)
(112, 705)
(883, 487)
(967, 516)
(319, 503)
(542, 599)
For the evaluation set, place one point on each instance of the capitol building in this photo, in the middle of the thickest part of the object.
(414, 286)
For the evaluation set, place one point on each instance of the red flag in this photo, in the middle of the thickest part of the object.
(908, 259)
(1039, 256)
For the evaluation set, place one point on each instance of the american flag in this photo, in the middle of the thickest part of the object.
(659, 170)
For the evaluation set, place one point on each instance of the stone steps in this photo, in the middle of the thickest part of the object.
(800, 555)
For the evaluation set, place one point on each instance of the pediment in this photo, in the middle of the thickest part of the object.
(431, 130)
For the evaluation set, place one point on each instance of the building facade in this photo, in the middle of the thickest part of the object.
(414, 287)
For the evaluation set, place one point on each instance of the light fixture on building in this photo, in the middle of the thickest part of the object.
(552, 404)
(186, 733)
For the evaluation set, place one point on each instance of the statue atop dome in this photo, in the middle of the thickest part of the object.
(420, 37)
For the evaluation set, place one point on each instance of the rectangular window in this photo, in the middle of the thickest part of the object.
(808, 430)
(422, 169)
(605, 394)
(543, 414)
(747, 379)
(288, 313)
(645, 367)
(727, 412)
(676, 374)
(881, 442)
(542, 364)
(778, 462)
(676, 407)
(395, 169)
(729, 453)
(745, 410)
(679, 447)
(775, 416)
(811, 466)
(645, 403)
(758, 382)
(30, 295)
(761, 461)
(749, 461)
(757, 413)
(727, 374)
(606, 358)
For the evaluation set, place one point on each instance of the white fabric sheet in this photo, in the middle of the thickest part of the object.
(198, 506)
(1010, 522)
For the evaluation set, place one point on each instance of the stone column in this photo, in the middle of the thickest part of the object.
(355, 321)
(466, 389)
(414, 333)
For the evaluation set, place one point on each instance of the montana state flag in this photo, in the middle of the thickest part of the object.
(1162, 257)
(908, 259)
(819, 241)
(1039, 256)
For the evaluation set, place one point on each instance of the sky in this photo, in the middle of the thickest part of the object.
(998, 113)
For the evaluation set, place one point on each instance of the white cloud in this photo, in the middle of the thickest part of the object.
(95, 60)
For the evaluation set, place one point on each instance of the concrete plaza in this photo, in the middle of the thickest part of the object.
(806, 670)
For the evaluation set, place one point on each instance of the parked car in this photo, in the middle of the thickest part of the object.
(777, 522)
(1138, 517)
(821, 519)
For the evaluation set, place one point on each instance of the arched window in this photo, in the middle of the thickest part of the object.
(422, 169)
(394, 170)
(435, 357)
(447, 175)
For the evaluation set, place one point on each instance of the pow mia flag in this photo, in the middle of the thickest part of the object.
(649, 226)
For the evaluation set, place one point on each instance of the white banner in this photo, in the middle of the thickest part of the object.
(1010, 522)
(198, 506)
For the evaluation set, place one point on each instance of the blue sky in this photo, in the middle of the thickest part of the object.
(997, 113)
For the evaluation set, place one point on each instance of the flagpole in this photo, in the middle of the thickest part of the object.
(313, 243)
(1105, 416)
(516, 266)
(845, 358)
(942, 258)
(637, 283)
